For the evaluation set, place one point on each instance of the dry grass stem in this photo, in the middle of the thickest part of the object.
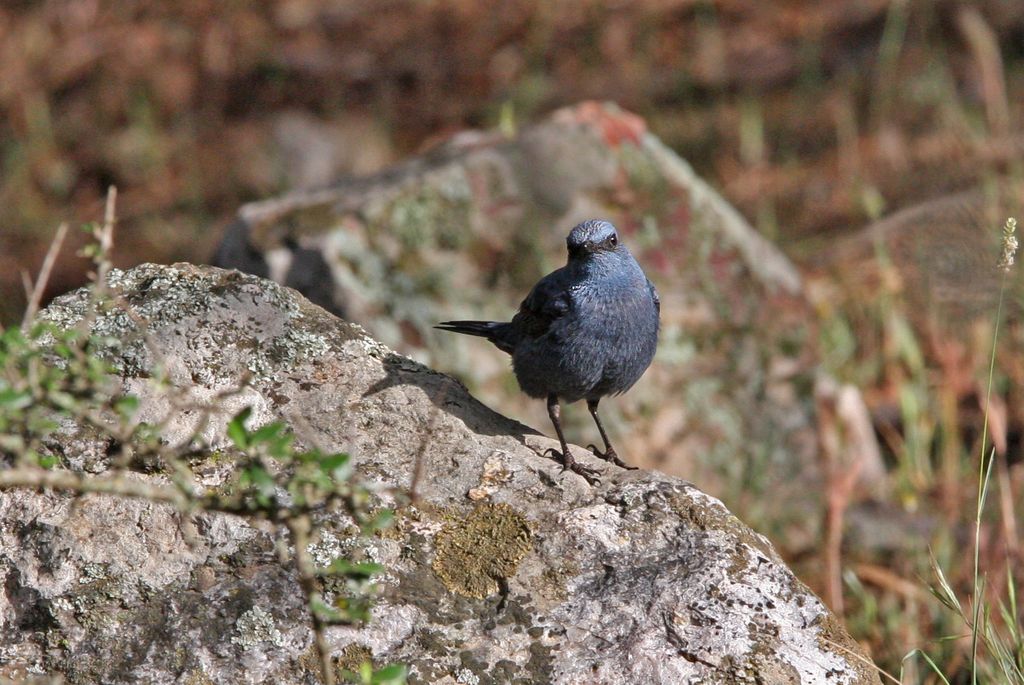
(36, 295)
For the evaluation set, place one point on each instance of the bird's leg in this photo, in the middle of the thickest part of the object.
(609, 451)
(555, 412)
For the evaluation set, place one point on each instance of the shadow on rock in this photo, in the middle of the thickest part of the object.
(449, 395)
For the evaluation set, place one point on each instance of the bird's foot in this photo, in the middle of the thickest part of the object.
(609, 455)
(569, 464)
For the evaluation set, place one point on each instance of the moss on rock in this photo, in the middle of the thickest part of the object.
(471, 555)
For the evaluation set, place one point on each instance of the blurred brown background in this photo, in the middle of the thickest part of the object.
(813, 118)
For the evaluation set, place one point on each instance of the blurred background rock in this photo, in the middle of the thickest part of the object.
(815, 119)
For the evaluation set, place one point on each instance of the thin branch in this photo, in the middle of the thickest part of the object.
(31, 477)
(299, 527)
(861, 658)
(26, 285)
(177, 494)
(36, 296)
(106, 239)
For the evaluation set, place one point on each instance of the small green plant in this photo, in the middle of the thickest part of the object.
(54, 379)
(1005, 643)
(932, 452)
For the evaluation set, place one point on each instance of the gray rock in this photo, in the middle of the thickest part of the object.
(506, 571)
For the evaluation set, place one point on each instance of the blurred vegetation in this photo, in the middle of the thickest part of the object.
(814, 118)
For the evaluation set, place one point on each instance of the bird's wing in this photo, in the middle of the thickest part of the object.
(549, 300)
(654, 294)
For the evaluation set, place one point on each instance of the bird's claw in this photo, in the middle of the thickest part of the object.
(609, 455)
(590, 475)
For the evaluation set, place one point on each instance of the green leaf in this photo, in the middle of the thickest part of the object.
(325, 611)
(48, 461)
(344, 567)
(39, 424)
(329, 463)
(63, 350)
(236, 429)
(62, 400)
(382, 519)
(39, 328)
(14, 400)
(280, 447)
(395, 674)
(262, 481)
(266, 433)
(352, 609)
(12, 337)
(126, 406)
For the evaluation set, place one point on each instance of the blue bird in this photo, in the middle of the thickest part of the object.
(585, 331)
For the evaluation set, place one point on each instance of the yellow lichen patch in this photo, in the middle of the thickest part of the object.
(471, 554)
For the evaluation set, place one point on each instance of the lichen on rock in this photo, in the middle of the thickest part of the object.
(472, 555)
(256, 626)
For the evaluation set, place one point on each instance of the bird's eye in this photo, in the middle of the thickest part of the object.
(613, 241)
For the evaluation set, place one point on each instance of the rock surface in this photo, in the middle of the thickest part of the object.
(507, 571)
(465, 231)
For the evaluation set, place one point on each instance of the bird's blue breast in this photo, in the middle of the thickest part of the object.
(603, 344)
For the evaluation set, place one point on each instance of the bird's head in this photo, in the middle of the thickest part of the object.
(591, 237)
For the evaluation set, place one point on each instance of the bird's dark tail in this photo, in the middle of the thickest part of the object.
(492, 330)
(484, 329)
